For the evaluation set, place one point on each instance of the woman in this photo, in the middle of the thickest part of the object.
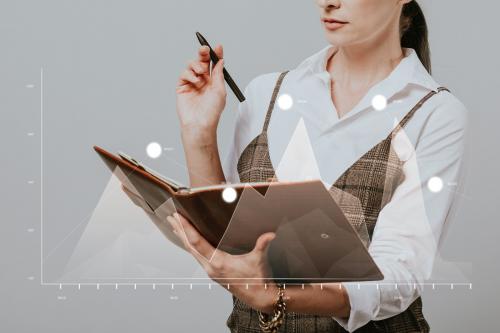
(347, 97)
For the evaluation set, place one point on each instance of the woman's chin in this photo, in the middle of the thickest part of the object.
(337, 38)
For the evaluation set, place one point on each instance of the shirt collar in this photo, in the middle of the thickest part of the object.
(409, 71)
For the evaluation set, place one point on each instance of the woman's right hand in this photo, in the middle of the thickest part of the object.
(201, 95)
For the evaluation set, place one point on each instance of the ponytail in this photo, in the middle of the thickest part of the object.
(414, 33)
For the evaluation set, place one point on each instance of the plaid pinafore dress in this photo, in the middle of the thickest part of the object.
(372, 179)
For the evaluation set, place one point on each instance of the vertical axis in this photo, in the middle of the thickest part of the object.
(41, 175)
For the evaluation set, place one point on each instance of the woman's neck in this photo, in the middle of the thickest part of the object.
(360, 66)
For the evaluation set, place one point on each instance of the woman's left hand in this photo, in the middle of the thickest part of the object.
(249, 272)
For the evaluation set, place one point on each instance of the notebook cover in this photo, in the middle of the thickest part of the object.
(314, 240)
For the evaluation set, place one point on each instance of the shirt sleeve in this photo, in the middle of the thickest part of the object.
(406, 236)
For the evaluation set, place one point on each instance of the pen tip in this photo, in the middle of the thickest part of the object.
(201, 39)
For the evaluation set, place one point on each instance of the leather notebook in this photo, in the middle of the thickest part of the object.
(314, 240)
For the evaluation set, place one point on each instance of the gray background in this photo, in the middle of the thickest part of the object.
(114, 64)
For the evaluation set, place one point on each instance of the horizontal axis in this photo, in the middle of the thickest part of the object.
(451, 285)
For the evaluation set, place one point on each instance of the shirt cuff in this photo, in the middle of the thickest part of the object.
(364, 299)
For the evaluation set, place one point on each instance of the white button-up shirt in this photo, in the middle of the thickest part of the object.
(309, 140)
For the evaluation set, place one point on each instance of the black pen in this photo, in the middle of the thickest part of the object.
(227, 77)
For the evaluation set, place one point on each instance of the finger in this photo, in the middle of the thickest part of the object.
(194, 238)
(188, 76)
(191, 80)
(137, 200)
(174, 222)
(132, 195)
(126, 190)
(175, 228)
(204, 54)
(200, 68)
(209, 266)
(218, 74)
(219, 50)
(180, 234)
(185, 88)
(263, 242)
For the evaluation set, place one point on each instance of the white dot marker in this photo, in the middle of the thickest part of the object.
(435, 184)
(285, 102)
(229, 195)
(153, 150)
(379, 102)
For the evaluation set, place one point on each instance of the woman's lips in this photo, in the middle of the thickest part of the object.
(333, 24)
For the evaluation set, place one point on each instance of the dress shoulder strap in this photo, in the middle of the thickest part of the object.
(410, 114)
(273, 100)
